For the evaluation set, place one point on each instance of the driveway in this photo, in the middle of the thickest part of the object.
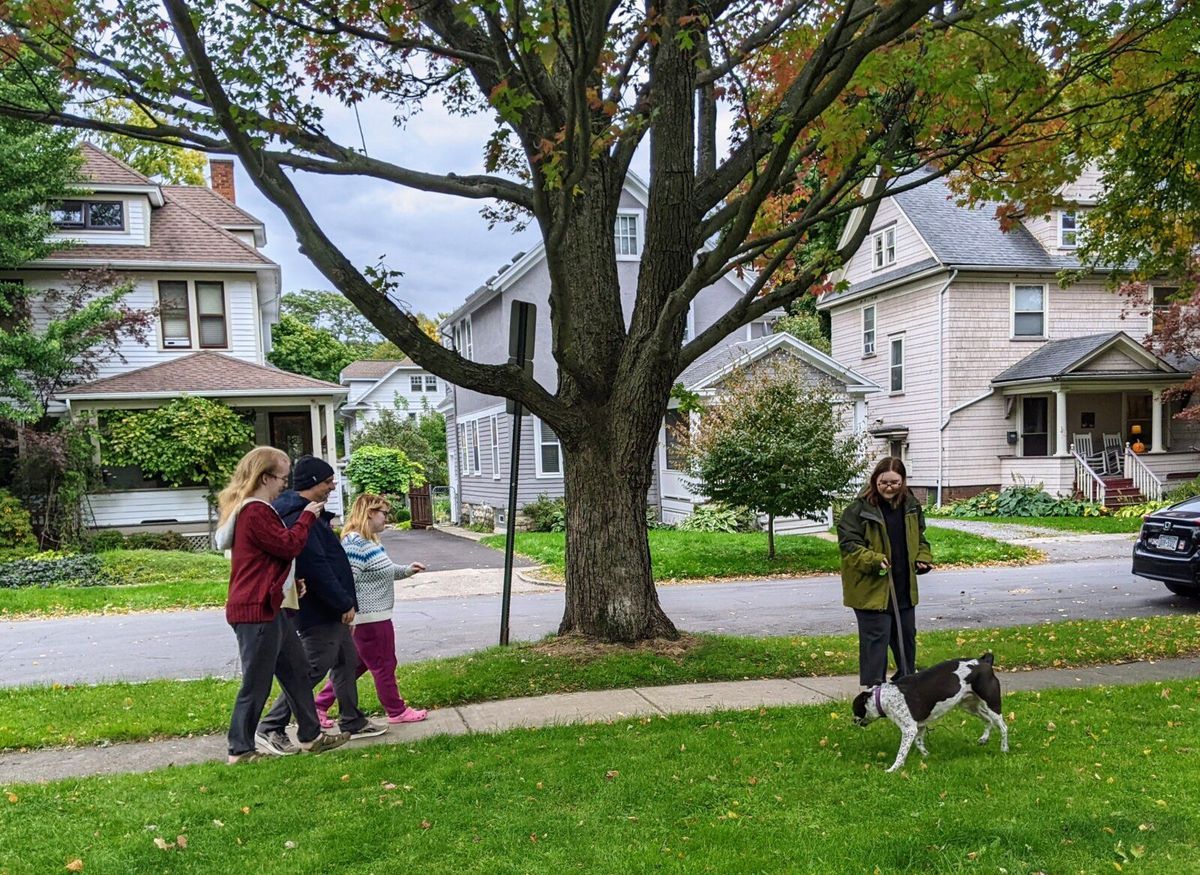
(440, 551)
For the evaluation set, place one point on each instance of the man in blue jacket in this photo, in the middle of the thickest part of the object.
(326, 612)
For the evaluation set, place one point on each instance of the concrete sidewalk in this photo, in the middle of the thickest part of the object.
(595, 707)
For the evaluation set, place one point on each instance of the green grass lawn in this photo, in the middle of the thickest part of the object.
(1097, 780)
(156, 580)
(717, 555)
(82, 715)
(1096, 524)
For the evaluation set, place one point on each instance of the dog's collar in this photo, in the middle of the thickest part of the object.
(879, 702)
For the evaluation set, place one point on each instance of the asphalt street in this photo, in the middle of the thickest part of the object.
(193, 644)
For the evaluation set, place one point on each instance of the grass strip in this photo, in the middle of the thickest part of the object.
(33, 717)
(718, 555)
(1097, 780)
(1081, 524)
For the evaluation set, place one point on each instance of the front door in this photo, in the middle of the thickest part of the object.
(1035, 418)
(292, 433)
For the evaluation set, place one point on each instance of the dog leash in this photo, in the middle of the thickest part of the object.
(903, 668)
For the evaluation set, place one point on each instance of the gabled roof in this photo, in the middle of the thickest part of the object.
(712, 367)
(203, 201)
(178, 234)
(374, 369)
(99, 166)
(203, 373)
(1059, 359)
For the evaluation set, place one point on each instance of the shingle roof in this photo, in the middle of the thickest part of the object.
(372, 369)
(1058, 357)
(177, 234)
(970, 236)
(203, 200)
(98, 166)
(203, 373)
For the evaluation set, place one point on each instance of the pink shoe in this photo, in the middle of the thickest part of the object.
(323, 719)
(408, 715)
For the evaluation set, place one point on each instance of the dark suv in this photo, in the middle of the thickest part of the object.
(1168, 548)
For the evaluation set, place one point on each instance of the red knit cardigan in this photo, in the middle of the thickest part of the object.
(263, 550)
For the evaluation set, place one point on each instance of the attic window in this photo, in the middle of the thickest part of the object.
(89, 215)
(883, 247)
(628, 241)
(1067, 229)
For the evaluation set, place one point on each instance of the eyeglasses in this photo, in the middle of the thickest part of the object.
(282, 477)
(378, 510)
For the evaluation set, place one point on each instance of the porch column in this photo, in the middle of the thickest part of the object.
(1060, 430)
(1156, 422)
(314, 419)
(331, 455)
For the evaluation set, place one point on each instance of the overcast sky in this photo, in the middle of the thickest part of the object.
(440, 242)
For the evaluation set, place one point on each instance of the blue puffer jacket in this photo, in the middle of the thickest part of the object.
(323, 566)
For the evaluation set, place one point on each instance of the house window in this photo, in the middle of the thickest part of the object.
(173, 314)
(210, 315)
(868, 330)
(626, 234)
(675, 439)
(473, 439)
(896, 383)
(462, 339)
(430, 383)
(548, 450)
(1160, 305)
(89, 215)
(883, 245)
(415, 383)
(1029, 311)
(1067, 229)
(495, 447)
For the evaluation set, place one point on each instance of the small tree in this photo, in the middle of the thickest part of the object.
(775, 442)
(303, 349)
(422, 440)
(191, 441)
(383, 471)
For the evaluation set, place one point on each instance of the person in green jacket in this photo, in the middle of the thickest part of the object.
(883, 528)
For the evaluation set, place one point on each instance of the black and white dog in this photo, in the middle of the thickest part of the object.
(919, 699)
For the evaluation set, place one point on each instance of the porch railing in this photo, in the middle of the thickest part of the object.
(1143, 478)
(1087, 481)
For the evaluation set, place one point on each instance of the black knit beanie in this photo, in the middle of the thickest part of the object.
(309, 471)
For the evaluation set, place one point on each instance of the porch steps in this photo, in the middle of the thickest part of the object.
(1120, 491)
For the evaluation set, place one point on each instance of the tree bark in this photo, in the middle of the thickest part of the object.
(610, 588)
(770, 536)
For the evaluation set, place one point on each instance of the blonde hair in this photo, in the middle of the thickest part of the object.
(358, 519)
(247, 477)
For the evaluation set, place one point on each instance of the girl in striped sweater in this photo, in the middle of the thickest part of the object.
(374, 635)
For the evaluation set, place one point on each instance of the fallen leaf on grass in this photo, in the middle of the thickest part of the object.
(162, 844)
(610, 774)
(75, 866)
(13, 797)
(181, 841)
(425, 824)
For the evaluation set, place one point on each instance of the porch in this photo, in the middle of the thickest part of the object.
(289, 411)
(1142, 477)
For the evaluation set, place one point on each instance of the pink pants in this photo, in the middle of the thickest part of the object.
(376, 645)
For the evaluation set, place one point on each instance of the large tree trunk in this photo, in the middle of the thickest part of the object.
(610, 588)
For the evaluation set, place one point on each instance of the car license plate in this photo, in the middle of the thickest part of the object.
(1167, 542)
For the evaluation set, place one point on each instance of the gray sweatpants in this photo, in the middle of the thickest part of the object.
(270, 650)
(329, 649)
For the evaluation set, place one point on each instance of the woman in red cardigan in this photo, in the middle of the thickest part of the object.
(263, 552)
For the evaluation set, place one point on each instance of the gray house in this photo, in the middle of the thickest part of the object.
(479, 432)
(993, 372)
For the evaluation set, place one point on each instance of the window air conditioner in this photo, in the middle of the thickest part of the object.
(176, 341)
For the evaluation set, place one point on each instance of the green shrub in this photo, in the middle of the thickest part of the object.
(102, 542)
(1186, 489)
(717, 517)
(441, 510)
(484, 528)
(55, 569)
(16, 529)
(157, 541)
(1133, 511)
(652, 520)
(399, 512)
(383, 471)
(1022, 500)
(546, 514)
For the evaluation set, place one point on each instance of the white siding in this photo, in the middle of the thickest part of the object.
(910, 248)
(385, 392)
(140, 506)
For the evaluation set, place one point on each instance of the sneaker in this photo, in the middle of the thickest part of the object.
(409, 715)
(323, 719)
(325, 741)
(276, 743)
(369, 730)
(249, 756)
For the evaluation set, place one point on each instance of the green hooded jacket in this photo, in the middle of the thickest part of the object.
(863, 542)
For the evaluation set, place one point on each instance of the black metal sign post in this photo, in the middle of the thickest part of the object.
(520, 353)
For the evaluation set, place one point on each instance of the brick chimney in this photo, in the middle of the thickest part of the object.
(221, 174)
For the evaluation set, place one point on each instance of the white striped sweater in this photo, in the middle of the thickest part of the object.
(374, 577)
